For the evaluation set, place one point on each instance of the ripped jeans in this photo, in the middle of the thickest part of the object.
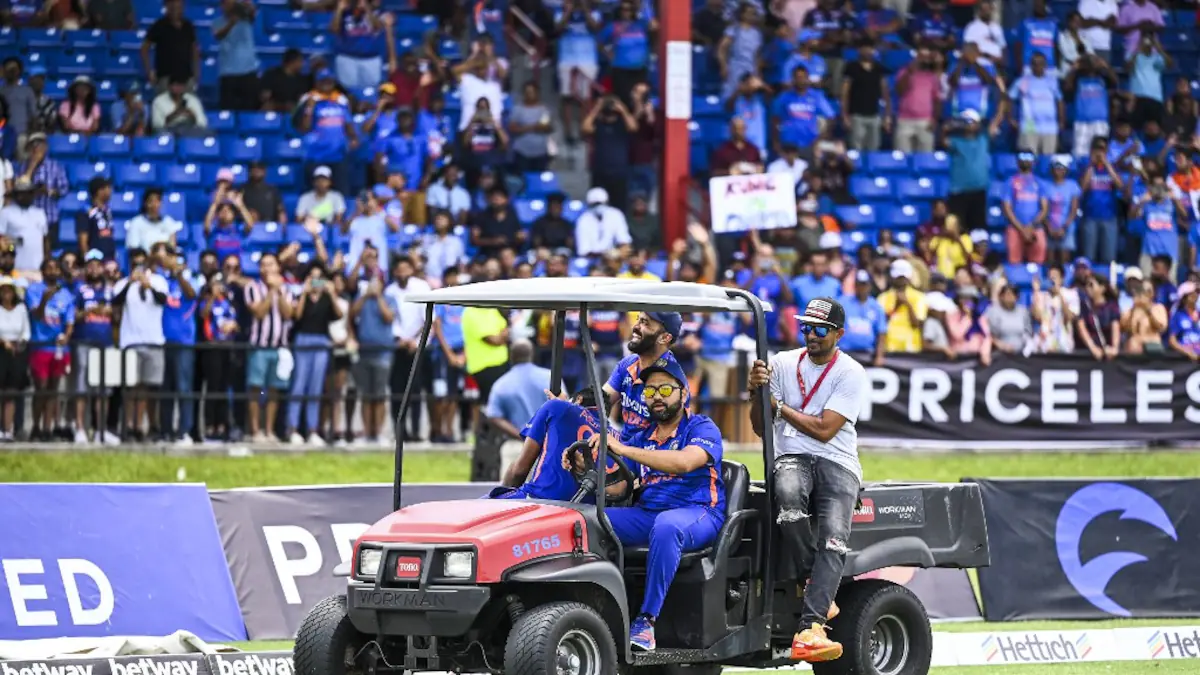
(807, 485)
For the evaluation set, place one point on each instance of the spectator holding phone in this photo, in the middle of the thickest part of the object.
(1098, 328)
(220, 325)
(1054, 311)
(1183, 333)
(313, 314)
(14, 334)
(372, 314)
(1025, 207)
(220, 222)
(52, 319)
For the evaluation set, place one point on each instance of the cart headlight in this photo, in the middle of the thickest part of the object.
(457, 564)
(368, 561)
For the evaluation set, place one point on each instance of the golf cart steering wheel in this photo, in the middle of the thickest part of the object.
(580, 453)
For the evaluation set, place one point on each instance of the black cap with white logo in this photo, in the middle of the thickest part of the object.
(823, 312)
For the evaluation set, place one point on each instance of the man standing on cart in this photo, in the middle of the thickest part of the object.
(650, 340)
(816, 394)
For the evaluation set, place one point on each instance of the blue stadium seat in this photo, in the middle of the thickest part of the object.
(126, 204)
(283, 176)
(284, 150)
(40, 38)
(894, 162)
(916, 189)
(572, 209)
(66, 231)
(274, 44)
(996, 190)
(84, 39)
(893, 60)
(83, 62)
(73, 202)
(123, 65)
(199, 149)
(175, 206)
(107, 92)
(866, 188)
(414, 25)
(931, 163)
(241, 150)
(280, 18)
(297, 234)
(859, 216)
(144, 174)
(47, 59)
(126, 40)
(541, 184)
(181, 176)
(450, 50)
(67, 146)
(260, 123)
(78, 174)
(529, 210)
(708, 106)
(906, 217)
(1022, 276)
(201, 16)
(109, 146)
(265, 236)
(154, 147)
(995, 218)
(222, 122)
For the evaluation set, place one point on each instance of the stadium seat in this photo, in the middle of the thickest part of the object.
(414, 25)
(284, 150)
(1022, 276)
(866, 188)
(894, 162)
(40, 38)
(708, 106)
(931, 163)
(182, 176)
(260, 123)
(109, 146)
(859, 216)
(161, 147)
(123, 65)
(84, 62)
(241, 150)
(916, 189)
(199, 149)
(1004, 165)
(67, 146)
(529, 210)
(175, 206)
(265, 236)
(126, 204)
(73, 202)
(851, 241)
(125, 40)
(127, 176)
(107, 92)
(541, 184)
(283, 176)
(297, 234)
(78, 174)
(906, 217)
(222, 122)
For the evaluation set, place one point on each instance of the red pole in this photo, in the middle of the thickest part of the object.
(675, 67)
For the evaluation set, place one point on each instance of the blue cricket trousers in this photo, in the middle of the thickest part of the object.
(669, 534)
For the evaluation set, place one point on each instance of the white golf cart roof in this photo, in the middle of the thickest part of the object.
(603, 293)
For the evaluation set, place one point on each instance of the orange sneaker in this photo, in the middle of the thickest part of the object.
(813, 646)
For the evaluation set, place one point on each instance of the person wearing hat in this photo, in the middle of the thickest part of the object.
(677, 457)
(26, 226)
(951, 247)
(1183, 332)
(324, 119)
(905, 308)
(650, 339)
(866, 322)
(1025, 206)
(601, 227)
(322, 202)
(93, 331)
(970, 169)
(47, 175)
(45, 108)
(813, 396)
(128, 113)
(1062, 198)
(1165, 218)
(176, 109)
(95, 227)
(80, 113)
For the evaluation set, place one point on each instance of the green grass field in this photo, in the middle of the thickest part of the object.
(321, 468)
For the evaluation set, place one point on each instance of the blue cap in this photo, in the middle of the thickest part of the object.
(666, 364)
(1083, 262)
(324, 74)
(1026, 157)
(384, 192)
(671, 321)
(35, 71)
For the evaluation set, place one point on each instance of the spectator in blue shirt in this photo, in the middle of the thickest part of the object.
(1161, 216)
(972, 83)
(1062, 196)
(799, 115)
(765, 278)
(405, 150)
(932, 28)
(128, 114)
(806, 42)
(749, 104)
(237, 61)
(362, 36)
(1039, 33)
(970, 168)
(775, 54)
(93, 318)
(52, 319)
(866, 322)
(179, 331)
(371, 316)
(1101, 185)
(1183, 331)
(329, 135)
(626, 43)
(1041, 108)
(1025, 208)
(817, 283)
(1088, 84)
(1146, 68)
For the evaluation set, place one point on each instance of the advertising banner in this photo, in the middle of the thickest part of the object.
(1075, 549)
(176, 664)
(763, 201)
(282, 544)
(97, 560)
(1033, 399)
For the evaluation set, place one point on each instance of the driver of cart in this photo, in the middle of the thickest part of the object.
(649, 341)
(681, 508)
(542, 470)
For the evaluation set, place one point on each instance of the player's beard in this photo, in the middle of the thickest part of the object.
(667, 413)
(642, 343)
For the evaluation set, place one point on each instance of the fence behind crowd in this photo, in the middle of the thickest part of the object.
(914, 399)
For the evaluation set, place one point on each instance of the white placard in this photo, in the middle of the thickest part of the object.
(761, 201)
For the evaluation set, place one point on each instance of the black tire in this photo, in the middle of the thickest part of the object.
(884, 630)
(327, 642)
(533, 646)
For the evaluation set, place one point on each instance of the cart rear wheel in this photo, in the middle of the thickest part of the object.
(884, 630)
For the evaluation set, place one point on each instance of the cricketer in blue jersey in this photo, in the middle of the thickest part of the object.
(542, 470)
(682, 504)
(650, 340)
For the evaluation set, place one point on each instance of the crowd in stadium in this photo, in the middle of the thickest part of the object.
(241, 195)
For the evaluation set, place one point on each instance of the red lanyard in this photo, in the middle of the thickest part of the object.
(805, 394)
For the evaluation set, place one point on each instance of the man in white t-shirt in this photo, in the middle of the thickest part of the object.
(601, 228)
(815, 396)
(987, 33)
(26, 226)
(141, 297)
(477, 80)
(1099, 20)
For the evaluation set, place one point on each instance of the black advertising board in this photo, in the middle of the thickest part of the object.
(1098, 549)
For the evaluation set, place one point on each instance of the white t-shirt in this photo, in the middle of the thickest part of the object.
(599, 229)
(142, 318)
(471, 89)
(6, 174)
(143, 233)
(989, 37)
(843, 391)
(1099, 39)
(797, 170)
(410, 316)
(28, 229)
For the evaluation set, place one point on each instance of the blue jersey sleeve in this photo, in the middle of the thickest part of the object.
(69, 312)
(614, 380)
(538, 426)
(704, 434)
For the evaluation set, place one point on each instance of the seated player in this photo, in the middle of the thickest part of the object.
(542, 470)
(682, 504)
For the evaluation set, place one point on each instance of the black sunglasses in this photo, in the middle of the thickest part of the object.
(820, 331)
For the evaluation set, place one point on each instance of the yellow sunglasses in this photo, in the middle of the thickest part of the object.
(662, 390)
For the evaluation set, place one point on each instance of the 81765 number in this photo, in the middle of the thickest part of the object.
(533, 546)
